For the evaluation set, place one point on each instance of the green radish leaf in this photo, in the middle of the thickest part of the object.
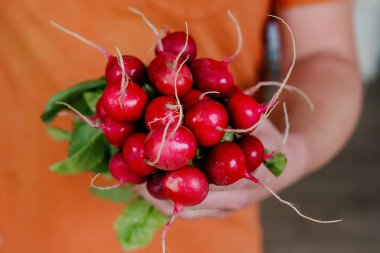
(120, 194)
(83, 157)
(150, 90)
(136, 226)
(276, 164)
(81, 135)
(92, 98)
(58, 133)
(200, 153)
(72, 96)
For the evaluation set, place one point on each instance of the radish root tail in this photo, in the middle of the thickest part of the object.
(151, 26)
(92, 184)
(176, 212)
(240, 38)
(79, 114)
(207, 92)
(124, 76)
(79, 37)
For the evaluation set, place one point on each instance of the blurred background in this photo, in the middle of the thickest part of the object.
(349, 186)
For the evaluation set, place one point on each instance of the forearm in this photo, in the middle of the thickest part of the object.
(333, 84)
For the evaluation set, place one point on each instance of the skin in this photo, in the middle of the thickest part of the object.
(327, 71)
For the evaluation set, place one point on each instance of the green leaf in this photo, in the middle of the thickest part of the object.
(92, 98)
(83, 157)
(82, 134)
(72, 96)
(150, 90)
(276, 164)
(136, 226)
(120, 194)
(58, 133)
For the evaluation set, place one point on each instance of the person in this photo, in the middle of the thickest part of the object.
(44, 212)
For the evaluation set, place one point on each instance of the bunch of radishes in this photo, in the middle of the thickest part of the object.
(180, 123)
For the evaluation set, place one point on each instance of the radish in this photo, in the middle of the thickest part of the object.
(134, 155)
(187, 186)
(203, 118)
(213, 75)
(170, 147)
(159, 111)
(226, 164)
(121, 172)
(134, 67)
(244, 111)
(116, 132)
(100, 112)
(192, 97)
(129, 107)
(253, 150)
(173, 42)
(162, 71)
(154, 186)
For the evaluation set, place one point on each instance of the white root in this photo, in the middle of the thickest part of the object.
(274, 99)
(124, 77)
(291, 205)
(79, 37)
(207, 92)
(151, 26)
(183, 48)
(177, 98)
(240, 38)
(278, 92)
(79, 114)
(250, 91)
(286, 134)
(92, 184)
(162, 144)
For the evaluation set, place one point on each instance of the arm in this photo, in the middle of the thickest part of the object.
(326, 70)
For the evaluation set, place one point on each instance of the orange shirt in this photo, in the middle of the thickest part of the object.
(44, 212)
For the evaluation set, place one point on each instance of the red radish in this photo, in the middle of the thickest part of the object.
(187, 186)
(129, 107)
(134, 67)
(100, 112)
(253, 150)
(121, 172)
(234, 90)
(134, 155)
(192, 97)
(213, 75)
(244, 111)
(154, 186)
(174, 42)
(159, 111)
(168, 149)
(162, 71)
(226, 164)
(203, 119)
(116, 132)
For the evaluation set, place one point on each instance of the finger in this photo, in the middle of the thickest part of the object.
(164, 206)
(191, 213)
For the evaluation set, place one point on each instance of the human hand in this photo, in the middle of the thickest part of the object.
(222, 200)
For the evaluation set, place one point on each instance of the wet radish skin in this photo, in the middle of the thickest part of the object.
(121, 172)
(154, 186)
(116, 132)
(225, 164)
(203, 119)
(177, 151)
(134, 154)
(254, 151)
(159, 111)
(132, 104)
(134, 68)
(186, 186)
(174, 42)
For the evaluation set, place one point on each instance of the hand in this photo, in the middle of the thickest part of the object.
(222, 200)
